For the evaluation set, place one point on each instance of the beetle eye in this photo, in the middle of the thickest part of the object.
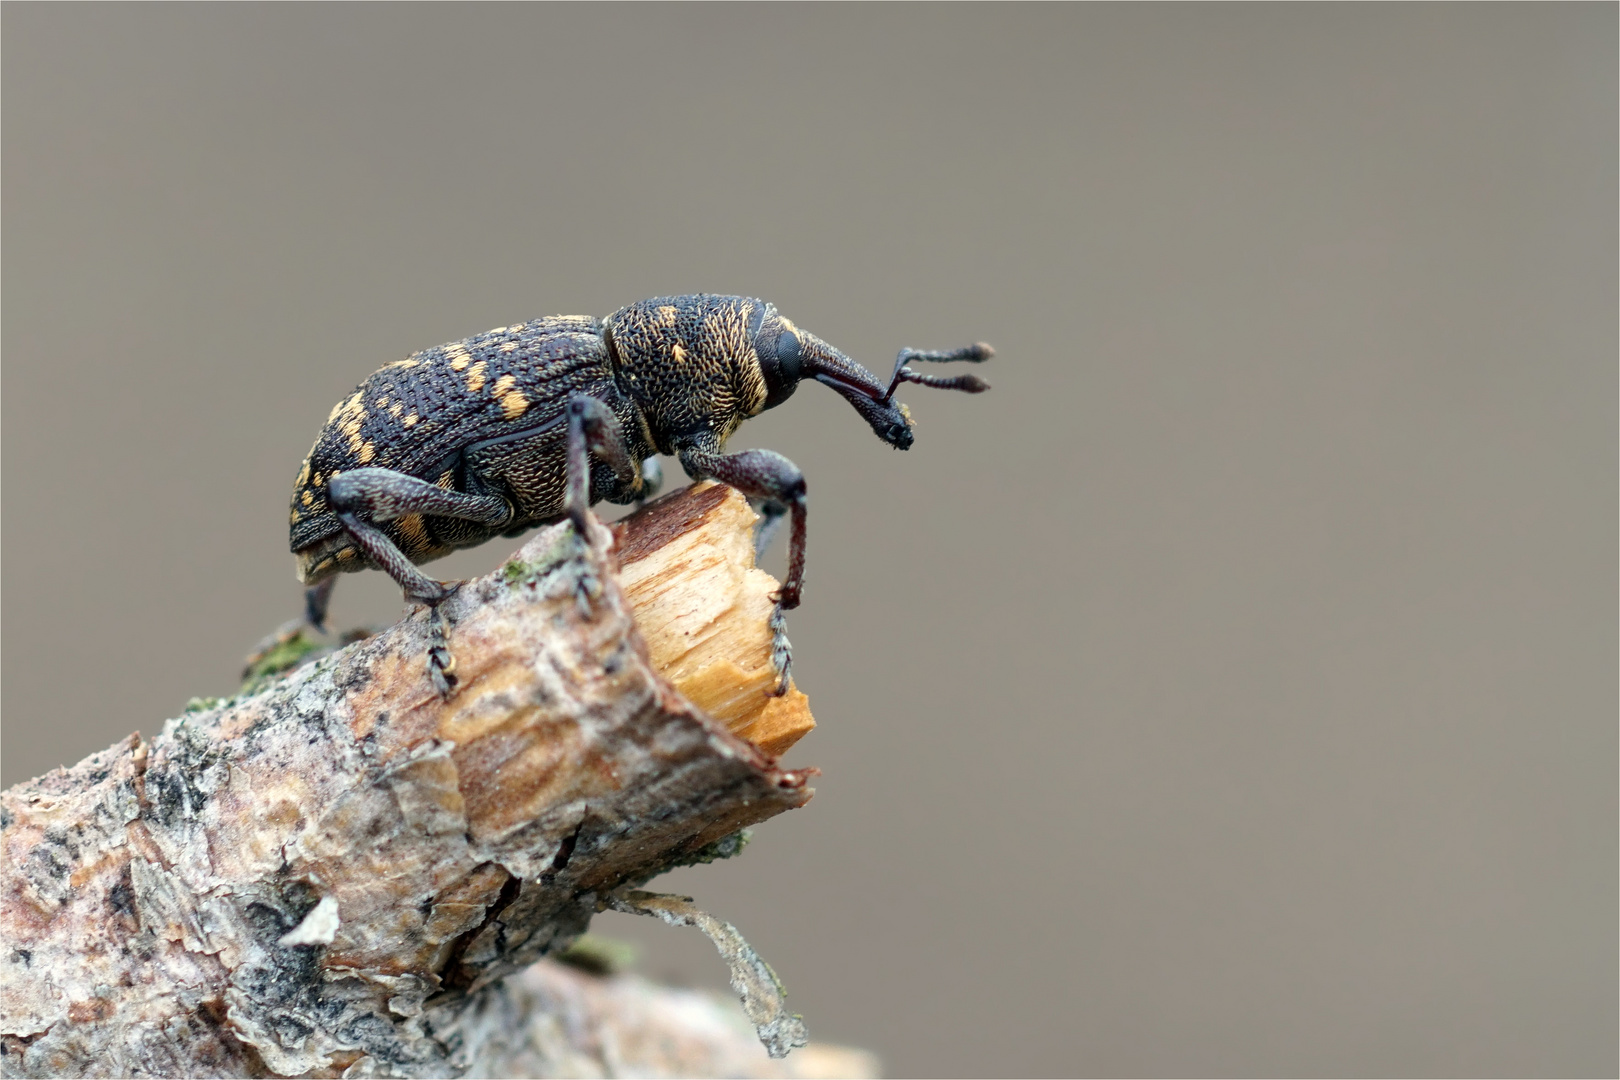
(787, 356)
(781, 359)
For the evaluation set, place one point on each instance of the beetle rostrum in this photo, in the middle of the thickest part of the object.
(529, 423)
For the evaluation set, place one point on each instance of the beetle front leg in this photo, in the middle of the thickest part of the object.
(365, 498)
(767, 475)
(771, 514)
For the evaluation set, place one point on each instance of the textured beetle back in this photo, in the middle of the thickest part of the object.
(416, 415)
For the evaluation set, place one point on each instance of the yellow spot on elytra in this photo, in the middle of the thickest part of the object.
(518, 326)
(459, 361)
(503, 384)
(367, 452)
(347, 405)
(410, 421)
(475, 377)
(408, 362)
(514, 404)
(666, 315)
(395, 409)
(352, 431)
(382, 403)
(510, 346)
(413, 531)
(303, 475)
(307, 499)
(678, 353)
(499, 330)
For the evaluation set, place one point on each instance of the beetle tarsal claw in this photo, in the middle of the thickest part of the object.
(441, 661)
(763, 998)
(781, 650)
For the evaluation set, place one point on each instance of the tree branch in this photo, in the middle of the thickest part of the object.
(334, 875)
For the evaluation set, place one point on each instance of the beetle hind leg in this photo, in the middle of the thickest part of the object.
(365, 498)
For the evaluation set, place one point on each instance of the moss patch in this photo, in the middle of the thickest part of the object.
(564, 548)
(278, 659)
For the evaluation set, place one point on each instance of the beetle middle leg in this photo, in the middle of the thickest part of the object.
(652, 479)
(765, 475)
(366, 498)
(592, 428)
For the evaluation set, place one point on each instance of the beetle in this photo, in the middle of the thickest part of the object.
(530, 423)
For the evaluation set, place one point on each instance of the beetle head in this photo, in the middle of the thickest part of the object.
(788, 354)
(779, 347)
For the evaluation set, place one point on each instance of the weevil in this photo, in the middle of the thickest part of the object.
(530, 423)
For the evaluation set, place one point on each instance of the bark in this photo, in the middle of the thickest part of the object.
(336, 873)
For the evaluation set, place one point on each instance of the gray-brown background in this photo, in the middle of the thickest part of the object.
(1230, 691)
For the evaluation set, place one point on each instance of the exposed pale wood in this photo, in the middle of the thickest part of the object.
(703, 606)
(334, 875)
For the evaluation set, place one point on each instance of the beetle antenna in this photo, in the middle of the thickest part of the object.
(970, 384)
(977, 353)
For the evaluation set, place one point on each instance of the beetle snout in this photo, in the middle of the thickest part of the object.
(898, 436)
(895, 429)
(890, 421)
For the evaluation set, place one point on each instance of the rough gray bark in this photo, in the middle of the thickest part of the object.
(334, 876)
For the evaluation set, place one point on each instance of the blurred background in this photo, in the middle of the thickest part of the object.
(1232, 691)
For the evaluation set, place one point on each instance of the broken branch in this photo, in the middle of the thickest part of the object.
(334, 874)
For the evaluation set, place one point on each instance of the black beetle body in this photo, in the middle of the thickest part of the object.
(489, 436)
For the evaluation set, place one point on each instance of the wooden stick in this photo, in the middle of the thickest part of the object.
(332, 876)
(702, 605)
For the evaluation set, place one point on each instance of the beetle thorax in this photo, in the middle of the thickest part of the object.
(689, 363)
